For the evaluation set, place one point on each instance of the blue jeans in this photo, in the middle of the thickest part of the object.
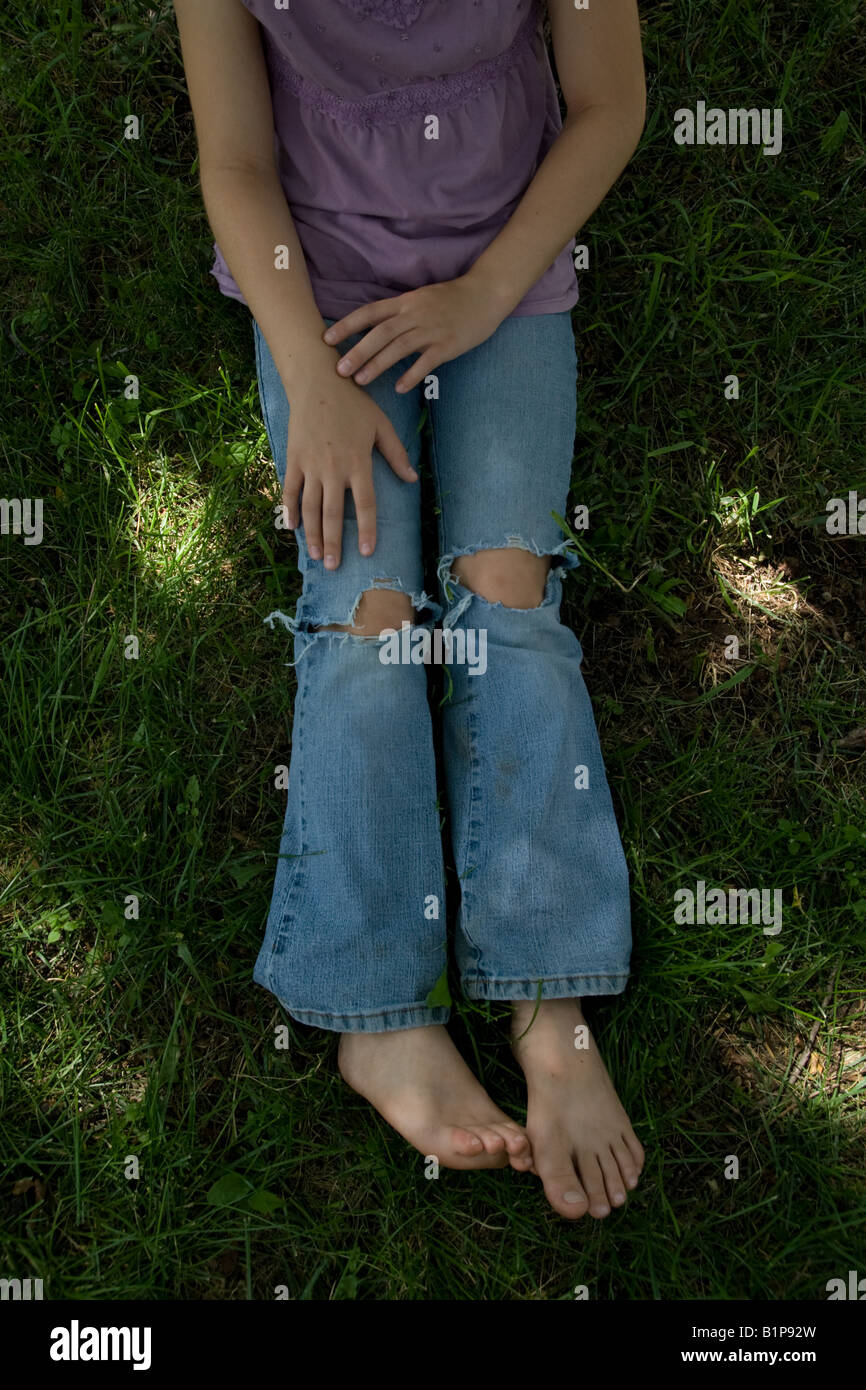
(356, 933)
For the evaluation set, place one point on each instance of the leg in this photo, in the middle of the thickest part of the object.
(544, 883)
(584, 1147)
(347, 945)
(355, 938)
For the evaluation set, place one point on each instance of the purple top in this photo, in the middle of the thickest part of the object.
(406, 132)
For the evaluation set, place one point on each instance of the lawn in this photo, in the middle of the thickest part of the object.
(138, 814)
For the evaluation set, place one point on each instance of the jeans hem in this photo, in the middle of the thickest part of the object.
(377, 1021)
(554, 987)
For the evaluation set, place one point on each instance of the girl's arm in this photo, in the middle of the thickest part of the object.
(246, 206)
(335, 425)
(601, 73)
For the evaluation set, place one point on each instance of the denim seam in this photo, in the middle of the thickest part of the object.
(287, 921)
(554, 979)
(477, 986)
(441, 520)
(473, 829)
(263, 396)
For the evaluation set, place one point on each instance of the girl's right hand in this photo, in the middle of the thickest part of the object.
(333, 428)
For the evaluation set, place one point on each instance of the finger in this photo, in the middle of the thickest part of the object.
(364, 497)
(291, 488)
(419, 369)
(332, 523)
(364, 317)
(400, 346)
(391, 448)
(312, 508)
(357, 359)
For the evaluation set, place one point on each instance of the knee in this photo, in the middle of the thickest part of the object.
(515, 578)
(378, 609)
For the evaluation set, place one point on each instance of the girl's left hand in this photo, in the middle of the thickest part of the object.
(439, 321)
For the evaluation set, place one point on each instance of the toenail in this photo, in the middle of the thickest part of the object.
(572, 1196)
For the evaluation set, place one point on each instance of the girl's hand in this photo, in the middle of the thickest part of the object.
(332, 430)
(439, 321)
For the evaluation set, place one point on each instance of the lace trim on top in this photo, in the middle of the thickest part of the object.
(417, 99)
(400, 14)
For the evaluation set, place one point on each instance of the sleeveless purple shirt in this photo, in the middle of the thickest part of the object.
(406, 132)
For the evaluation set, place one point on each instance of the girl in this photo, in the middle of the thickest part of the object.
(394, 197)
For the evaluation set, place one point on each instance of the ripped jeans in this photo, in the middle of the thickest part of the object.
(356, 933)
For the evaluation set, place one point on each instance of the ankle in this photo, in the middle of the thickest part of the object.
(523, 1011)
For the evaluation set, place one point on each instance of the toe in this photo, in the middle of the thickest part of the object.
(465, 1148)
(493, 1141)
(517, 1146)
(635, 1148)
(627, 1165)
(564, 1193)
(553, 1165)
(522, 1162)
(593, 1181)
(466, 1143)
(516, 1142)
(613, 1179)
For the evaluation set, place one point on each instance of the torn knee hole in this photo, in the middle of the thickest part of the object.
(376, 609)
(510, 576)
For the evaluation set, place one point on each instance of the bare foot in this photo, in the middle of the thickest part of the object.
(584, 1149)
(417, 1080)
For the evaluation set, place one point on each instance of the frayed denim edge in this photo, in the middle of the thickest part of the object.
(312, 628)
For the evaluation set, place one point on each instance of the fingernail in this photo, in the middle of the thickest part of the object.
(315, 552)
(329, 561)
(572, 1197)
(398, 387)
(362, 376)
(329, 336)
(366, 548)
(344, 365)
(413, 475)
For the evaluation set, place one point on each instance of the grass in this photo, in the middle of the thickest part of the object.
(143, 1036)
